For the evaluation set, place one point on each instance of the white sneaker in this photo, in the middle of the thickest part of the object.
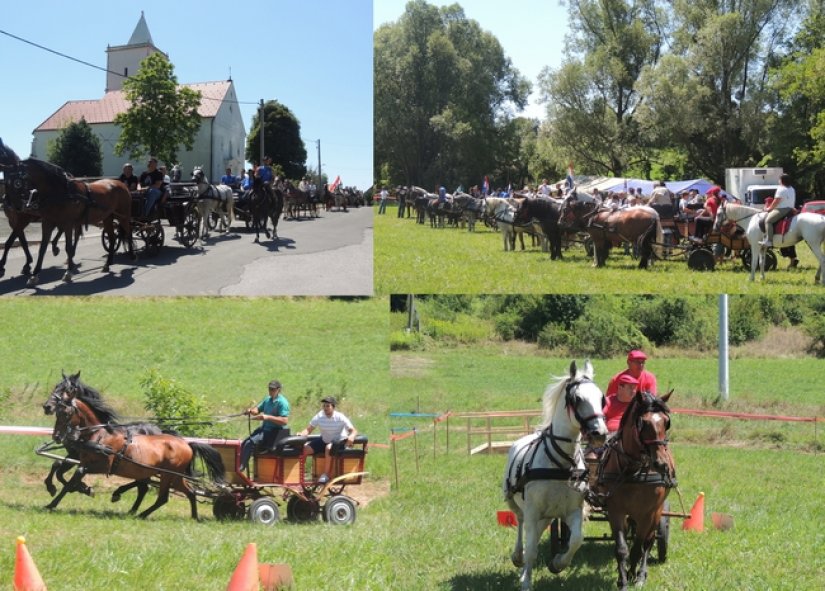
(323, 479)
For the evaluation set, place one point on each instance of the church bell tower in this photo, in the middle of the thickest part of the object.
(123, 61)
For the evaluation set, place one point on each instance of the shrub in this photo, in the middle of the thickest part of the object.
(175, 406)
(553, 336)
(401, 340)
(814, 327)
(601, 332)
(745, 321)
(463, 329)
(678, 321)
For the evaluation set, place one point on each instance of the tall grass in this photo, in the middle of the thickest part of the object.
(411, 258)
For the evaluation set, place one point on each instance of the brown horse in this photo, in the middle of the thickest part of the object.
(105, 450)
(607, 227)
(67, 204)
(636, 474)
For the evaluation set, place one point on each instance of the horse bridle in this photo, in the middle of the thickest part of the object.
(570, 401)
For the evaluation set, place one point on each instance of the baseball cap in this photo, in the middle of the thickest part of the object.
(714, 190)
(274, 384)
(636, 355)
(329, 400)
(626, 378)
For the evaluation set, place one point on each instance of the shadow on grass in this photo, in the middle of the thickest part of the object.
(593, 568)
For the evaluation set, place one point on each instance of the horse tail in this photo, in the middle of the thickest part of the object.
(210, 457)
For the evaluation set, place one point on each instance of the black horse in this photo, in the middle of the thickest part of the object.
(14, 172)
(547, 212)
(265, 203)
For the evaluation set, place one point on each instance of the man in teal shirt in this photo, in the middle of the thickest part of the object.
(274, 412)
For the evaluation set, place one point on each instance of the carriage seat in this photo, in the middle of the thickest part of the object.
(358, 449)
(289, 446)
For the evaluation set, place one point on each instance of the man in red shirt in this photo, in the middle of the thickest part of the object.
(617, 403)
(707, 215)
(636, 368)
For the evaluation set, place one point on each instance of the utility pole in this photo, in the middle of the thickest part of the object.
(261, 131)
(723, 347)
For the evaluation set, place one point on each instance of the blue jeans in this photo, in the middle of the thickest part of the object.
(152, 197)
(382, 208)
(258, 438)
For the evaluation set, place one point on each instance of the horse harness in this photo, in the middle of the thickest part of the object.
(17, 179)
(564, 465)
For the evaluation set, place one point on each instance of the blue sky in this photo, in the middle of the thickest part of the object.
(530, 31)
(314, 56)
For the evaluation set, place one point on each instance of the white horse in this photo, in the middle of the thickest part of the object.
(545, 477)
(809, 227)
(504, 214)
(213, 199)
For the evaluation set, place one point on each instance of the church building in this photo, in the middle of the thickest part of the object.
(219, 143)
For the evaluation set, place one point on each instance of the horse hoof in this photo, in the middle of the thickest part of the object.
(115, 497)
(32, 281)
(105, 268)
(67, 278)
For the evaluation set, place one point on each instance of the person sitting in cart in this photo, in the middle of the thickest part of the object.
(706, 216)
(128, 177)
(626, 386)
(273, 411)
(229, 179)
(336, 430)
(152, 181)
(636, 369)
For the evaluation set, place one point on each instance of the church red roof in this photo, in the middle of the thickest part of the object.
(104, 110)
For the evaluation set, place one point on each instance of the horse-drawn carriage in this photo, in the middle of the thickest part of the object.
(178, 208)
(287, 473)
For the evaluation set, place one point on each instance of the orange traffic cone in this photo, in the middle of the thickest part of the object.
(245, 577)
(275, 577)
(26, 576)
(507, 518)
(696, 521)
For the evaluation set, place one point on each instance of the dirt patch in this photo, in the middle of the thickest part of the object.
(368, 491)
(409, 366)
(780, 341)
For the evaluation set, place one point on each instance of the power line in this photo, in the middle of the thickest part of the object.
(102, 69)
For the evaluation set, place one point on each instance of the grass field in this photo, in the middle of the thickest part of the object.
(437, 529)
(411, 258)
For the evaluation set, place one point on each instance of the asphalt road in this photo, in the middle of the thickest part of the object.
(329, 255)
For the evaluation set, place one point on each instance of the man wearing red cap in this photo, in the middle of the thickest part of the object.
(617, 403)
(646, 381)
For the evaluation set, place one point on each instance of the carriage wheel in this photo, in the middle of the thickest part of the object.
(264, 511)
(212, 221)
(339, 510)
(663, 534)
(226, 508)
(111, 246)
(154, 237)
(701, 259)
(770, 259)
(300, 511)
(190, 228)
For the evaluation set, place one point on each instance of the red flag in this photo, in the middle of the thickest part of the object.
(337, 182)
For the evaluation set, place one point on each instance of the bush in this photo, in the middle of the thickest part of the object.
(745, 321)
(553, 336)
(814, 327)
(678, 321)
(175, 406)
(602, 332)
(401, 340)
(463, 329)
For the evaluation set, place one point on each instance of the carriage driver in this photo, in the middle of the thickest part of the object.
(152, 181)
(635, 368)
(273, 411)
(336, 430)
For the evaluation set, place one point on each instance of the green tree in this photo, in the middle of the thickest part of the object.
(162, 116)
(443, 93)
(282, 140)
(592, 98)
(707, 97)
(77, 150)
(797, 123)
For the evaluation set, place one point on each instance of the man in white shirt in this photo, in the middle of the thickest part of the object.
(782, 204)
(336, 429)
